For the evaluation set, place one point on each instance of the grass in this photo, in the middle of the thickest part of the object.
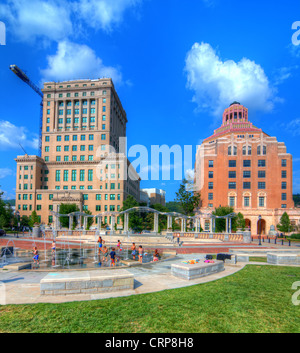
(257, 259)
(256, 299)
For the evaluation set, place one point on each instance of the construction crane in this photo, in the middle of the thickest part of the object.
(21, 74)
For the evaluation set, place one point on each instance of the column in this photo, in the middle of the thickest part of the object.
(230, 224)
(214, 225)
(211, 225)
(182, 226)
(226, 224)
(99, 223)
(113, 222)
(70, 223)
(169, 223)
(126, 222)
(155, 223)
(85, 223)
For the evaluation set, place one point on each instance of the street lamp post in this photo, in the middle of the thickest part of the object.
(18, 218)
(259, 235)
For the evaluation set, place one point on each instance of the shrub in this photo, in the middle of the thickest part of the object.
(295, 236)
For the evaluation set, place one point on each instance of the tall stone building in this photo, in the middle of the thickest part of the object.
(83, 122)
(245, 168)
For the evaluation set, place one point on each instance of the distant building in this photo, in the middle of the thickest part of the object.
(243, 167)
(81, 119)
(153, 196)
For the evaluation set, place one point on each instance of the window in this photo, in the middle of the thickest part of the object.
(264, 150)
(283, 174)
(229, 151)
(66, 175)
(38, 207)
(261, 201)
(91, 147)
(91, 137)
(210, 185)
(58, 138)
(82, 148)
(247, 163)
(47, 148)
(232, 175)
(39, 197)
(98, 208)
(261, 185)
(210, 175)
(283, 185)
(90, 175)
(47, 138)
(247, 185)
(57, 175)
(82, 175)
(98, 197)
(283, 197)
(67, 148)
(283, 163)
(74, 137)
(82, 137)
(283, 206)
(74, 158)
(74, 148)
(86, 197)
(232, 185)
(210, 164)
(258, 150)
(247, 174)
(261, 163)
(58, 148)
(231, 201)
(232, 164)
(103, 137)
(261, 173)
(246, 201)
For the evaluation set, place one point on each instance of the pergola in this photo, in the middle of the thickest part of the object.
(126, 213)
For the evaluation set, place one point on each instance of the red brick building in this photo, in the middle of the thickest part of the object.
(243, 167)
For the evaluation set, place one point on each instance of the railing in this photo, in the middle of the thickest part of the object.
(220, 236)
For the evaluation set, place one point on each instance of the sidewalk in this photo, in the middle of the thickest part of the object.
(24, 287)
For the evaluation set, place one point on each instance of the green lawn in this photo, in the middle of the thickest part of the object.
(256, 299)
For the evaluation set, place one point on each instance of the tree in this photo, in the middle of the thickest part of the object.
(285, 224)
(135, 220)
(90, 220)
(67, 208)
(188, 201)
(240, 222)
(221, 222)
(33, 219)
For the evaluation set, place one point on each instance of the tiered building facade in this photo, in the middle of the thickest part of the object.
(245, 168)
(80, 162)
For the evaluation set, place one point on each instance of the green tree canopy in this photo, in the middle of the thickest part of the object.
(189, 201)
(66, 209)
(221, 222)
(285, 224)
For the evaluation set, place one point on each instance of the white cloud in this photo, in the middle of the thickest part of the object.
(293, 127)
(5, 172)
(56, 20)
(11, 136)
(283, 74)
(218, 83)
(35, 19)
(76, 61)
(103, 14)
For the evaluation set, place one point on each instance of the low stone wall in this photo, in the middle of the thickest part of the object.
(86, 282)
(189, 272)
(220, 236)
(283, 259)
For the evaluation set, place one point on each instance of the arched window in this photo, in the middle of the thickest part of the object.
(244, 150)
(264, 150)
(258, 150)
(234, 150)
(229, 151)
(249, 150)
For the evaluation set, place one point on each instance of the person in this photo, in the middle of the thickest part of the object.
(119, 245)
(53, 247)
(105, 254)
(133, 249)
(112, 258)
(141, 251)
(100, 241)
(36, 256)
(155, 256)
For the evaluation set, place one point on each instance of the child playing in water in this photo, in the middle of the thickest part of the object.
(133, 249)
(113, 258)
(36, 255)
(53, 247)
(155, 256)
(141, 251)
(105, 253)
(119, 245)
(100, 241)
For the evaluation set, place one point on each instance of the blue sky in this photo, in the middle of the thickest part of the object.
(176, 66)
